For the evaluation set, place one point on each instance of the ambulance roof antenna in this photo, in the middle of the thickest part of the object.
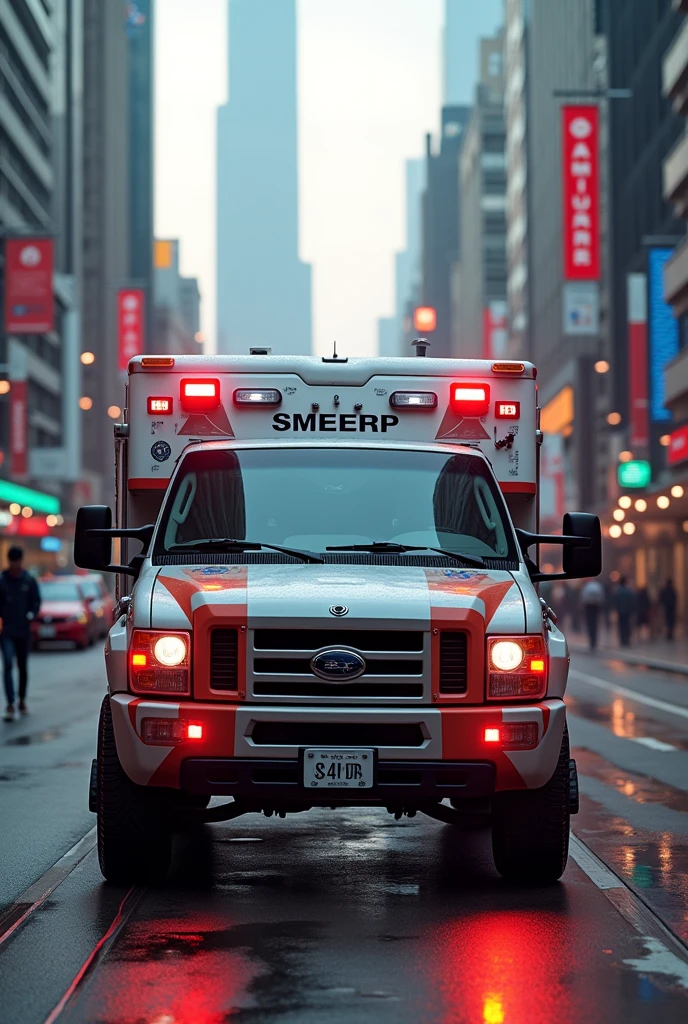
(421, 345)
(334, 358)
(334, 353)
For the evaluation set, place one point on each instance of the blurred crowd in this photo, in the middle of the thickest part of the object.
(624, 611)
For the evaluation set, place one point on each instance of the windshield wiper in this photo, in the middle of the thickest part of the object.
(235, 544)
(390, 547)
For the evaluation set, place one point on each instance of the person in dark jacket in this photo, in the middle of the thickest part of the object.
(668, 598)
(624, 601)
(19, 604)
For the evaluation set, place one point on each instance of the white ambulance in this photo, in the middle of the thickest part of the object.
(334, 604)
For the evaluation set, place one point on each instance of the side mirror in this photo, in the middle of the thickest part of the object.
(93, 550)
(582, 543)
(580, 561)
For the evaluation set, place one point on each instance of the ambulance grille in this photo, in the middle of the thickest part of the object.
(315, 639)
(224, 644)
(453, 662)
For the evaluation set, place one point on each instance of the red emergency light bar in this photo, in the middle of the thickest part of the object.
(200, 394)
(159, 406)
(470, 399)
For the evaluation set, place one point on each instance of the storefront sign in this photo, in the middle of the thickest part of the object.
(662, 332)
(580, 191)
(581, 308)
(130, 325)
(678, 446)
(29, 303)
(636, 473)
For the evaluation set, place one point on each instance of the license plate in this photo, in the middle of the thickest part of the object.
(338, 769)
(46, 632)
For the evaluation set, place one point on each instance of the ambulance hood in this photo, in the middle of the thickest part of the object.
(298, 595)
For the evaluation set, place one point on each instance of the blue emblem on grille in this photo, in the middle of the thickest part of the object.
(338, 666)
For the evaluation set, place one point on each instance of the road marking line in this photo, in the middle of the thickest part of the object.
(126, 909)
(666, 954)
(38, 893)
(652, 743)
(640, 698)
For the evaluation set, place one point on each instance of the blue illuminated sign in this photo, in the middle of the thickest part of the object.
(51, 544)
(662, 332)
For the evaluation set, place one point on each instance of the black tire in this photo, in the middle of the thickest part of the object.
(530, 828)
(195, 801)
(134, 827)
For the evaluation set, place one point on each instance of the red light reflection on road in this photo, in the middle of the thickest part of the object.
(173, 972)
(506, 968)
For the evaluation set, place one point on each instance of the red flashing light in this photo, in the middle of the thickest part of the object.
(470, 399)
(492, 736)
(508, 410)
(159, 406)
(425, 319)
(200, 394)
(194, 732)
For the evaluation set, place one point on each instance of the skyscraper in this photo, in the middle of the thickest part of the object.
(463, 23)
(263, 288)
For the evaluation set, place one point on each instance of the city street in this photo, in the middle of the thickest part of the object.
(350, 915)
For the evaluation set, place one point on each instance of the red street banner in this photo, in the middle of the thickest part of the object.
(581, 193)
(130, 320)
(29, 285)
(636, 311)
(18, 429)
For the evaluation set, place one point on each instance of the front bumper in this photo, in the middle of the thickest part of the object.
(417, 736)
(279, 781)
(68, 632)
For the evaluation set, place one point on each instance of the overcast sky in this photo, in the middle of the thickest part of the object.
(369, 89)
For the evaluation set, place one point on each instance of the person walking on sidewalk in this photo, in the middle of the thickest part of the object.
(592, 598)
(624, 601)
(19, 604)
(668, 598)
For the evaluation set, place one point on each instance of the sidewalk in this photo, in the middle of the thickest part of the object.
(664, 655)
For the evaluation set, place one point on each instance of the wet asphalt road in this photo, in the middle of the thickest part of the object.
(350, 916)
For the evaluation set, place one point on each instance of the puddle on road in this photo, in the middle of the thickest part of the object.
(35, 737)
(640, 788)
(624, 721)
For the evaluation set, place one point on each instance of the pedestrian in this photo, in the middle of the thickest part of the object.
(19, 604)
(624, 601)
(668, 598)
(592, 599)
(643, 613)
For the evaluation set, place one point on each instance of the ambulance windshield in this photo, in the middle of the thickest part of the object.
(318, 498)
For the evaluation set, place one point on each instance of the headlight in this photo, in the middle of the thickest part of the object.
(507, 655)
(169, 651)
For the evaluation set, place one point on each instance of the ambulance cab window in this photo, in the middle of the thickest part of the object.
(315, 498)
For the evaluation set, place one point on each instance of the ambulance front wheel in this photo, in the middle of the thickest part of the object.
(134, 827)
(530, 828)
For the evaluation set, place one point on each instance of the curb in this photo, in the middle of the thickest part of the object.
(639, 660)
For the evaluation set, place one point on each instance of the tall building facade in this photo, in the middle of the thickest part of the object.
(106, 231)
(393, 331)
(140, 27)
(263, 288)
(481, 300)
(462, 23)
(177, 301)
(441, 225)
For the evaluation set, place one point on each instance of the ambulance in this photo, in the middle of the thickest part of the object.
(328, 597)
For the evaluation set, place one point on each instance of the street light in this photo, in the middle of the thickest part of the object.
(629, 529)
(4, 387)
(625, 501)
(27, 512)
(677, 491)
(665, 440)
(663, 501)
(613, 419)
(601, 366)
(87, 358)
(85, 404)
(641, 505)
(625, 456)
(615, 531)
(114, 411)
(619, 515)
(15, 508)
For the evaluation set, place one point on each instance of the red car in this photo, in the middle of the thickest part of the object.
(100, 600)
(65, 613)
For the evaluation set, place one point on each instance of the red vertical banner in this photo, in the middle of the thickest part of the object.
(19, 447)
(130, 325)
(581, 192)
(636, 306)
(29, 303)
